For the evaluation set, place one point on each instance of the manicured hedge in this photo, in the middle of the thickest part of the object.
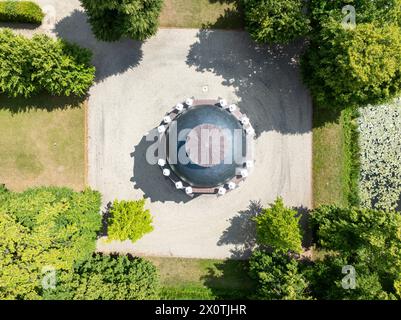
(41, 64)
(21, 11)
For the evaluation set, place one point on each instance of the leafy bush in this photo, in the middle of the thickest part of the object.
(113, 19)
(361, 236)
(29, 66)
(129, 220)
(278, 276)
(347, 68)
(275, 21)
(367, 11)
(20, 11)
(326, 277)
(108, 278)
(380, 144)
(43, 227)
(278, 227)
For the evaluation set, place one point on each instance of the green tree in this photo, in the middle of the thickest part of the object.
(367, 11)
(354, 67)
(277, 276)
(113, 19)
(108, 278)
(43, 227)
(364, 238)
(275, 21)
(129, 220)
(326, 280)
(278, 227)
(29, 66)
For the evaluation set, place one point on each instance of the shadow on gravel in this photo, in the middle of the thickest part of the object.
(242, 232)
(150, 179)
(266, 79)
(109, 58)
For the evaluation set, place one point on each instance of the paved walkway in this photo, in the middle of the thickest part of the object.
(137, 83)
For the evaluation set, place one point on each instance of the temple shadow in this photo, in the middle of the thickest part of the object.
(149, 178)
(266, 79)
(242, 232)
(109, 58)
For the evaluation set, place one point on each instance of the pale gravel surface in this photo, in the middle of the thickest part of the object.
(137, 83)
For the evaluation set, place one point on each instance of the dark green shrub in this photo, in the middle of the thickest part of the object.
(354, 67)
(277, 276)
(21, 11)
(367, 11)
(29, 66)
(44, 227)
(278, 227)
(113, 19)
(108, 278)
(362, 237)
(326, 281)
(129, 220)
(275, 21)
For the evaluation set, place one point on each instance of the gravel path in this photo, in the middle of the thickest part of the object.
(138, 82)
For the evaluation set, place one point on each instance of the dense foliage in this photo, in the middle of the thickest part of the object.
(108, 278)
(129, 220)
(353, 67)
(43, 227)
(278, 227)
(113, 19)
(29, 66)
(367, 11)
(326, 280)
(20, 11)
(365, 238)
(380, 156)
(274, 21)
(277, 276)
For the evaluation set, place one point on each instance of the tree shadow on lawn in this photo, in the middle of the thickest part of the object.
(149, 178)
(229, 280)
(42, 101)
(266, 79)
(232, 18)
(109, 58)
(242, 231)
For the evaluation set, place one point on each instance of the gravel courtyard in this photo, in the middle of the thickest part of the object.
(137, 83)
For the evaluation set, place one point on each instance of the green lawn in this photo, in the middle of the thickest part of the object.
(42, 142)
(219, 14)
(203, 278)
(329, 161)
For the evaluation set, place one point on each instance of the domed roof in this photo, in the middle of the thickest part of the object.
(210, 144)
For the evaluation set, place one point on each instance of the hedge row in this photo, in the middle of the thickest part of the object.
(21, 11)
(41, 64)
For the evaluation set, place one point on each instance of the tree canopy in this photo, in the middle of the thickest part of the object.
(43, 227)
(271, 21)
(278, 227)
(113, 19)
